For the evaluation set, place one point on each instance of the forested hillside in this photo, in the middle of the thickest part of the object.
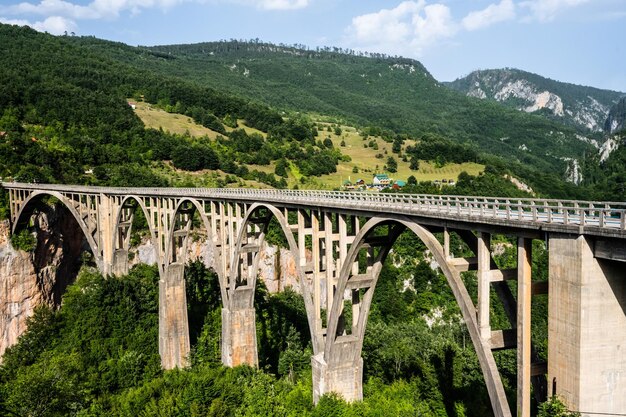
(68, 120)
(393, 93)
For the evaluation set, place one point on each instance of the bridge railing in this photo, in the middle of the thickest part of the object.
(568, 212)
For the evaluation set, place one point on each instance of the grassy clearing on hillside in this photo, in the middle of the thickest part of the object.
(364, 158)
(179, 124)
(156, 118)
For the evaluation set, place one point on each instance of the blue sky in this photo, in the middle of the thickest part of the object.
(578, 41)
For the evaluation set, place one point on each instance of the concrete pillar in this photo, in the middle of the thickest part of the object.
(342, 377)
(173, 322)
(524, 295)
(106, 223)
(484, 284)
(120, 262)
(239, 337)
(586, 328)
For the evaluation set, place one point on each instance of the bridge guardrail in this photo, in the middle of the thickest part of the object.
(568, 212)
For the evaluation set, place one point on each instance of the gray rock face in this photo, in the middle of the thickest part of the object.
(616, 120)
(580, 106)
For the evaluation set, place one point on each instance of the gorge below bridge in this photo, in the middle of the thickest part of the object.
(340, 240)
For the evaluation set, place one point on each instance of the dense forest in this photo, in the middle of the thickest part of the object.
(65, 118)
(97, 355)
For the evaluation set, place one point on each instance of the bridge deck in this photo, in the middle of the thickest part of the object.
(596, 218)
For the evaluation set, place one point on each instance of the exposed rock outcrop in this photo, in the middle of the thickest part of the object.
(616, 120)
(579, 106)
(28, 280)
(19, 292)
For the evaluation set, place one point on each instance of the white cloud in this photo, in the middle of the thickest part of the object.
(64, 14)
(54, 24)
(411, 25)
(546, 10)
(414, 26)
(283, 4)
(494, 13)
(97, 9)
(436, 24)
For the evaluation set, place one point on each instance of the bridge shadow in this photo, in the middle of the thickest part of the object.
(60, 251)
(615, 273)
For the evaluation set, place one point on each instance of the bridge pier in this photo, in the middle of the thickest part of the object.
(342, 377)
(586, 327)
(173, 322)
(120, 262)
(239, 337)
(239, 344)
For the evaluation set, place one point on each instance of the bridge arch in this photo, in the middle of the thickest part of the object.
(29, 204)
(342, 349)
(250, 219)
(182, 221)
(122, 228)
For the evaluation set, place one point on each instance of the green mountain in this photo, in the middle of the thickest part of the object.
(585, 108)
(393, 93)
(70, 94)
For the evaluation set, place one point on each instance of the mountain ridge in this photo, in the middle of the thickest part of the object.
(583, 107)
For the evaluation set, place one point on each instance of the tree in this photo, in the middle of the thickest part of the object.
(392, 165)
(411, 180)
(281, 167)
(555, 408)
(414, 165)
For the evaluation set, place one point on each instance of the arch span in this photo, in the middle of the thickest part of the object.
(340, 349)
(273, 212)
(122, 228)
(29, 205)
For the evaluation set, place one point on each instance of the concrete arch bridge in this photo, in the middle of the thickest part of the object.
(347, 237)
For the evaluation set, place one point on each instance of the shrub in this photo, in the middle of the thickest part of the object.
(24, 240)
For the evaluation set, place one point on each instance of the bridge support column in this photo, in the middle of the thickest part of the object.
(173, 322)
(239, 329)
(120, 262)
(586, 327)
(239, 337)
(342, 377)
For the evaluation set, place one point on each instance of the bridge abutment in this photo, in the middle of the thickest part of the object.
(173, 321)
(586, 327)
(239, 344)
(342, 377)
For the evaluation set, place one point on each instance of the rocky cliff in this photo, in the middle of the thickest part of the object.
(28, 280)
(616, 120)
(584, 107)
